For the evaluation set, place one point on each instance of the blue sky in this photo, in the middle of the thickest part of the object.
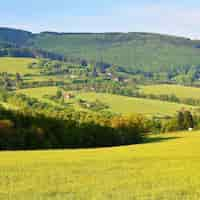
(176, 17)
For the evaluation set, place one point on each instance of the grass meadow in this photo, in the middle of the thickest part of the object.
(165, 168)
(39, 92)
(14, 65)
(116, 103)
(178, 90)
(130, 105)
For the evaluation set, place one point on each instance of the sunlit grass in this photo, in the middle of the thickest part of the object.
(117, 104)
(178, 90)
(129, 105)
(14, 65)
(39, 92)
(167, 168)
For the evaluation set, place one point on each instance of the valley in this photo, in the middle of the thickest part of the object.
(99, 116)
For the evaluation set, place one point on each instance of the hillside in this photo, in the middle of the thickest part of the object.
(131, 51)
(14, 65)
(13, 37)
(167, 168)
(129, 106)
(178, 90)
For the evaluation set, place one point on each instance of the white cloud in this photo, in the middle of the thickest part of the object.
(168, 19)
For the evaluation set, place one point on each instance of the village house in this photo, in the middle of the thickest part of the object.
(67, 95)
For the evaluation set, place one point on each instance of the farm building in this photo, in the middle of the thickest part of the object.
(68, 95)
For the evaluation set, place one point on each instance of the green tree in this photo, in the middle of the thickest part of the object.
(180, 120)
(188, 120)
(59, 94)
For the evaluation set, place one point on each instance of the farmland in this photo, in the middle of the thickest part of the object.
(178, 90)
(39, 92)
(99, 115)
(117, 104)
(129, 105)
(110, 173)
(14, 65)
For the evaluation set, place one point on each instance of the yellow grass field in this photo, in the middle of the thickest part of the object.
(39, 92)
(118, 104)
(167, 168)
(128, 105)
(14, 65)
(178, 90)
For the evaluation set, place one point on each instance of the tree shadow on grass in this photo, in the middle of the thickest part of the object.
(158, 139)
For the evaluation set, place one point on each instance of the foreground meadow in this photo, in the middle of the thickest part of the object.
(165, 168)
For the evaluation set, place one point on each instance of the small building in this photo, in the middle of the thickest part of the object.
(109, 75)
(190, 129)
(67, 95)
(73, 76)
(92, 88)
(117, 79)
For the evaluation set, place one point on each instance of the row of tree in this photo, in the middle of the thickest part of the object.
(170, 98)
(36, 125)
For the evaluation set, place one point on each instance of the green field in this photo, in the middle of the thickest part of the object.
(39, 92)
(14, 65)
(129, 105)
(117, 104)
(178, 90)
(167, 168)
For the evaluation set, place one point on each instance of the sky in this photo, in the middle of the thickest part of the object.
(174, 17)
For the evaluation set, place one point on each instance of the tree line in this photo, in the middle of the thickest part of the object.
(37, 125)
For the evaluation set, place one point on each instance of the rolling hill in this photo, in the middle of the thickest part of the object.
(132, 51)
(14, 65)
(178, 90)
(116, 103)
(167, 168)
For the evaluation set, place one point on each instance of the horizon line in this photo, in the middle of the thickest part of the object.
(103, 32)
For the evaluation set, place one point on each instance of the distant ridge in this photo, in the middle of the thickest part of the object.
(131, 51)
(92, 33)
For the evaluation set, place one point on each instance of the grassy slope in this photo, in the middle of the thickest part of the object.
(120, 104)
(128, 105)
(39, 92)
(167, 169)
(14, 65)
(179, 91)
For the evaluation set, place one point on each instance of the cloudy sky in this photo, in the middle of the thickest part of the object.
(175, 17)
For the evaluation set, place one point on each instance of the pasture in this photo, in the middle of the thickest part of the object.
(117, 104)
(178, 90)
(14, 65)
(129, 105)
(165, 168)
(39, 92)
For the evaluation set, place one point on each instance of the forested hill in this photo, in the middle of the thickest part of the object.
(14, 37)
(131, 51)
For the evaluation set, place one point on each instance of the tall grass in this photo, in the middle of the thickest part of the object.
(167, 168)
